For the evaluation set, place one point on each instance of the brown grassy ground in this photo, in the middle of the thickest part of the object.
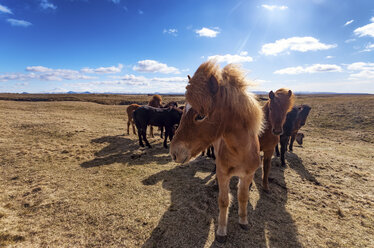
(70, 178)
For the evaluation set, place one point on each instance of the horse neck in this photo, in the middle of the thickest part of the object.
(229, 127)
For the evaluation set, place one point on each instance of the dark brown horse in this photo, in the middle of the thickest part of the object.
(275, 111)
(161, 117)
(296, 118)
(156, 102)
(168, 105)
(220, 112)
(301, 120)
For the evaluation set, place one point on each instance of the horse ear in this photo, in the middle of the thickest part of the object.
(289, 93)
(189, 78)
(213, 85)
(271, 95)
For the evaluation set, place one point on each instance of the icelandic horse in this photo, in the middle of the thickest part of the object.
(130, 121)
(275, 112)
(156, 102)
(219, 111)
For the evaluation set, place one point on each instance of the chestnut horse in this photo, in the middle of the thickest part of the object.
(275, 111)
(219, 111)
(130, 109)
(156, 101)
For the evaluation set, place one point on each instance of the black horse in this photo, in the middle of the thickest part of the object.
(161, 117)
(168, 105)
(295, 119)
(287, 131)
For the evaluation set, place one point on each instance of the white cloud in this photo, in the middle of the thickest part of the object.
(17, 77)
(229, 58)
(348, 22)
(38, 69)
(21, 23)
(368, 48)
(206, 32)
(171, 31)
(362, 70)
(329, 57)
(349, 40)
(5, 9)
(274, 7)
(154, 66)
(170, 80)
(45, 74)
(367, 30)
(301, 44)
(135, 84)
(359, 66)
(102, 70)
(45, 4)
(310, 69)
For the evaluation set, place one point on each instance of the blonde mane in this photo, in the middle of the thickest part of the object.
(232, 98)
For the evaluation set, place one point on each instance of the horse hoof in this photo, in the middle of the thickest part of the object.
(221, 239)
(244, 226)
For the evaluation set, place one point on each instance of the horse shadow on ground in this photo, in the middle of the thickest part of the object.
(121, 149)
(296, 163)
(192, 215)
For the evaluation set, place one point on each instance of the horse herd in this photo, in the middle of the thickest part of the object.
(220, 113)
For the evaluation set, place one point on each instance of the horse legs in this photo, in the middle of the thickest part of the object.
(151, 131)
(167, 133)
(208, 152)
(128, 127)
(162, 131)
(277, 150)
(140, 133)
(243, 195)
(133, 128)
(223, 203)
(293, 137)
(284, 143)
(144, 134)
(266, 170)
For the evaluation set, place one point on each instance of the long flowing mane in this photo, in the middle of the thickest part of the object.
(231, 98)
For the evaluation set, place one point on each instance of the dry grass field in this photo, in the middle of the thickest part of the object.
(71, 178)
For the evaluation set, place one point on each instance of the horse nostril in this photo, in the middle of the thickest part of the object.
(174, 157)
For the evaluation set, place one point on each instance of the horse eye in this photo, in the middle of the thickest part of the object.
(199, 117)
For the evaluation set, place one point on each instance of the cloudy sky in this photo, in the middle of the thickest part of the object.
(147, 46)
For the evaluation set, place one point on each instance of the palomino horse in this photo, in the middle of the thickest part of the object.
(275, 111)
(219, 111)
(130, 109)
(156, 101)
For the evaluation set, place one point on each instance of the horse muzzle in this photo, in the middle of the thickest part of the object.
(179, 153)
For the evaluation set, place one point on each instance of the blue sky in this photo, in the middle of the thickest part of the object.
(151, 46)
